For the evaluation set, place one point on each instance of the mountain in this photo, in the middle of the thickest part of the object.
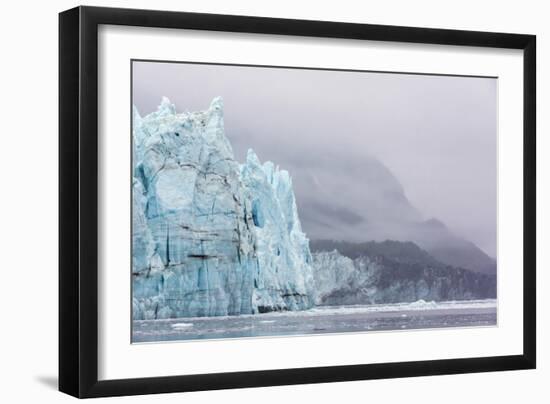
(333, 204)
(390, 272)
(446, 247)
(211, 237)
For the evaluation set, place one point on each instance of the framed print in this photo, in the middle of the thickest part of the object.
(250, 201)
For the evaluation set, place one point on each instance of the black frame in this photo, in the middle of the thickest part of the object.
(78, 201)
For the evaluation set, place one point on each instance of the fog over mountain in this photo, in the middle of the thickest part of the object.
(335, 204)
(372, 156)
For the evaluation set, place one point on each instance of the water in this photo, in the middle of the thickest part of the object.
(322, 320)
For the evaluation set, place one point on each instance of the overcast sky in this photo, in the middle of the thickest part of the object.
(435, 134)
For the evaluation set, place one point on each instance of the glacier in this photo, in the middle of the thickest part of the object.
(210, 236)
(374, 278)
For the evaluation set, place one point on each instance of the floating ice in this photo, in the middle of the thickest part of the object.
(182, 325)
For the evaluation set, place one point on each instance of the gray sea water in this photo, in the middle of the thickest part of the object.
(322, 320)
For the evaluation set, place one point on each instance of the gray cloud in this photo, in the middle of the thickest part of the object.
(346, 137)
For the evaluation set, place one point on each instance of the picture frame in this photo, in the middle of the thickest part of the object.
(79, 175)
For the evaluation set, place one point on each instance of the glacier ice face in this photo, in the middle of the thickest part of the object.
(331, 271)
(376, 279)
(281, 247)
(211, 237)
(336, 274)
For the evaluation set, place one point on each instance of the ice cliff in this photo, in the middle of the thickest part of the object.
(390, 272)
(211, 237)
